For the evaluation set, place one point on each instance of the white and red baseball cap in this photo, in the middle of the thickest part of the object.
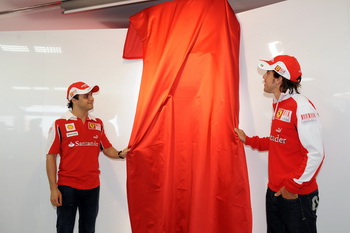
(80, 88)
(286, 66)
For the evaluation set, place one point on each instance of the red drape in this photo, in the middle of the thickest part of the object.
(187, 169)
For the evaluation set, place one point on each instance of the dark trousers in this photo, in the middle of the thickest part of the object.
(86, 201)
(291, 216)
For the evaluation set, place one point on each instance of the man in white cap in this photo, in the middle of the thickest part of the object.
(78, 138)
(295, 150)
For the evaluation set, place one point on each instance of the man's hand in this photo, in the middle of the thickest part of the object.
(124, 152)
(286, 194)
(56, 197)
(241, 134)
(114, 154)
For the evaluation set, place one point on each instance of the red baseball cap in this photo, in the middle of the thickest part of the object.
(80, 88)
(286, 66)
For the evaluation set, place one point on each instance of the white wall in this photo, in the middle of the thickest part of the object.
(33, 89)
(317, 32)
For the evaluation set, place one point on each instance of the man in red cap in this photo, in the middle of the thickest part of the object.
(78, 138)
(295, 150)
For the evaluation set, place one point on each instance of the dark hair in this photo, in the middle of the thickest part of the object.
(70, 103)
(288, 85)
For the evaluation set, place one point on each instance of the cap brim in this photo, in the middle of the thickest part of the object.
(95, 89)
(264, 65)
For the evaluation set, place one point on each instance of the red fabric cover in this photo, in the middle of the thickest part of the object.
(187, 171)
(133, 45)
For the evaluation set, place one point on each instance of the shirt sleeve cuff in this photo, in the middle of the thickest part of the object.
(248, 141)
(292, 187)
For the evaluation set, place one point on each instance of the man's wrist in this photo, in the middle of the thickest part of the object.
(53, 187)
(119, 154)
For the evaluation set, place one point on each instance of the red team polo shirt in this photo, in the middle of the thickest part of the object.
(79, 145)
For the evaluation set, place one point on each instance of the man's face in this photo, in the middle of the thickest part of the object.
(271, 84)
(84, 102)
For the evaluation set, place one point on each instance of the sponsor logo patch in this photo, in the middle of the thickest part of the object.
(94, 126)
(278, 139)
(283, 115)
(279, 69)
(308, 117)
(71, 134)
(78, 143)
(70, 127)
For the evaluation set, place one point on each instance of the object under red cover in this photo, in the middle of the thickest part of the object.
(187, 170)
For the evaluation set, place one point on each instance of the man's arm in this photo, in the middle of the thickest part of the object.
(51, 170)
(261, 144)
(310, 136)
(115, 154)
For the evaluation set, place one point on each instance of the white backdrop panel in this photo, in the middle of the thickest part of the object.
(317, 32)
(34, 82)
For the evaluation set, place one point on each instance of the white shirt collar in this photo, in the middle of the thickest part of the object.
(283, 96)
(70, 116)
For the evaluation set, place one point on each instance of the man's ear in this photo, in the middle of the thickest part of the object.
(280, 80)
(74, 100)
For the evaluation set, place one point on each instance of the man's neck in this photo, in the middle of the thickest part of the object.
(80, 114)
(277, 95)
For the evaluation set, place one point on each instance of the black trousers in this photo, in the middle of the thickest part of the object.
(86, 201)
(291, 216)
